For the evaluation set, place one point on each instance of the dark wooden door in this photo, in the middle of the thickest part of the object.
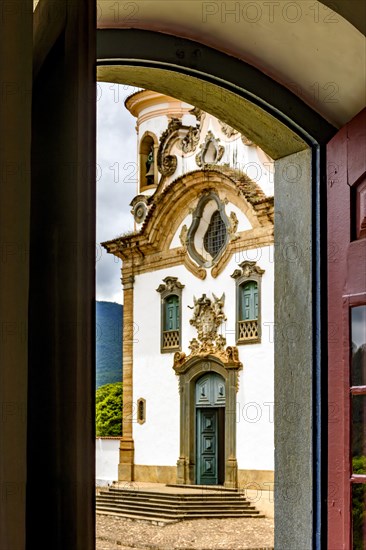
(346, 200)
(207, 446)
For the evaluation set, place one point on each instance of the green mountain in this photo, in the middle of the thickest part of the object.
(109, 320)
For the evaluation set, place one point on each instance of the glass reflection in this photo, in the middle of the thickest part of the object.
(358, 431)
(358, 338)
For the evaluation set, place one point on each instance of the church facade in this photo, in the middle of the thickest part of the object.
(198, 277)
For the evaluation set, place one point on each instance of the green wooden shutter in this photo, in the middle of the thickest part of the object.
(256, 301)
(248, 301)
(171, 313)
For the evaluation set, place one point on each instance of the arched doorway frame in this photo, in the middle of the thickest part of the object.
(295, 136)
(189, 372)
(75, 64)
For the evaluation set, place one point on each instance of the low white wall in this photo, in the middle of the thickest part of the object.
(106, 460)
(262, 500)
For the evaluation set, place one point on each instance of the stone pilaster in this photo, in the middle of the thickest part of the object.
(181, 471)
(231, 473)
(231, 465)
(127, 448)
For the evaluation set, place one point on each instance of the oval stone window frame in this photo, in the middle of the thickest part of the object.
(201, 219)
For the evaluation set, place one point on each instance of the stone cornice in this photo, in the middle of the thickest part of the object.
(248, 269)
(143, 257)
(171, 284)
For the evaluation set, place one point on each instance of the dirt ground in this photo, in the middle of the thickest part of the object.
(115, 533)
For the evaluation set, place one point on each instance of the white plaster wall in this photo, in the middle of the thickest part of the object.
(255, 422)
(157, 440)
(189, 119)
(156, 125)
(175, 242)
(106, 460)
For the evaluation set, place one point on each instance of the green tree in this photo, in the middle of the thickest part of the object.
(358, 504)
(109, 410)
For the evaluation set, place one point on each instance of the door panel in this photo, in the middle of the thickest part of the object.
(346, 159)
(221, 445)
(207, 447)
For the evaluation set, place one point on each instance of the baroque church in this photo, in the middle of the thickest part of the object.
(198, 277)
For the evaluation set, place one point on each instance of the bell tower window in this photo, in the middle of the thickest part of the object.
(148, 161)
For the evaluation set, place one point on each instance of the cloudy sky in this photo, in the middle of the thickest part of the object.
(116, 181)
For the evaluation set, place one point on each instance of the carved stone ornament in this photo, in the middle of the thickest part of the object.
(198, 113)
(167, 164)
(211, 151)
(234, 222)
(208, 315)
(190, 140)
(139, 208)
(183, 236)
(248, 269)
(227, 130)
(247, 141)
(171, 284)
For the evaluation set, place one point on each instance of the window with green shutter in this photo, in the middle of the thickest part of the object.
(171, 321)
(248, 277)
(171, 312)
(248, 301)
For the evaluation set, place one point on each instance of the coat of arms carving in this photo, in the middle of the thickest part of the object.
(208, 315)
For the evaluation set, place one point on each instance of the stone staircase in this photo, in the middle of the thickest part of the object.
(171, 505)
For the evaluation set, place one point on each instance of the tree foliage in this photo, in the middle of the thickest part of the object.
(358, 504)
(109, 322)
(109, 410)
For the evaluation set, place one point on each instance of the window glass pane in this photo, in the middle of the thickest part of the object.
(215, 237)
(256, 303)
(358, 339)
(358, 434)
(359, 516)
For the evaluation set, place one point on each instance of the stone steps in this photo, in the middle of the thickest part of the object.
(203, 488)
(165, 507)
(206, 495)
(182, 505)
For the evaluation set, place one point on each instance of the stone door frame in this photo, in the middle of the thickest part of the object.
(193, 369)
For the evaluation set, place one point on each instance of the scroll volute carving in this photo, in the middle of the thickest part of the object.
(248, 270)
(167, 164)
